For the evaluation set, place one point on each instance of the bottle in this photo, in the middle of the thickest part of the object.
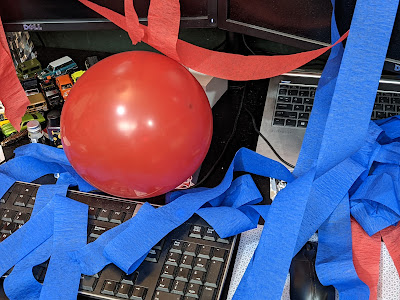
(53, 128)
(35, 132)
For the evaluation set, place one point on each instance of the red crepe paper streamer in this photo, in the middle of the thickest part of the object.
(367, 250)
(162, 34)
(12, 95)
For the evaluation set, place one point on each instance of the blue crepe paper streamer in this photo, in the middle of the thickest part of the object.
(318, 198)
(129, 247)
(21, 284)
(33, 244)
(70, 233)
(351, 105)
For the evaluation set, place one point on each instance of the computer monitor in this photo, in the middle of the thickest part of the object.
(302, 24)
(67, 15)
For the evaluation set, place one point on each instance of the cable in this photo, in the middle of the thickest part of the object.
(265, 139)
(227, 142)
(247, 46)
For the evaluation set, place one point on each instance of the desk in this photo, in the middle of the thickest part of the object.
(224, 113)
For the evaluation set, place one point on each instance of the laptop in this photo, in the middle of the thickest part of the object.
(288, 106)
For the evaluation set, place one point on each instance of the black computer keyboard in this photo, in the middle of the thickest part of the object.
(295, 101)
(191, 262)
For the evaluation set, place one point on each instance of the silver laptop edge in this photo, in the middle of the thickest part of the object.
(287, 140)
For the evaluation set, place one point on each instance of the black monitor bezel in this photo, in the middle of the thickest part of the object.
(208, 21)
(225, 23)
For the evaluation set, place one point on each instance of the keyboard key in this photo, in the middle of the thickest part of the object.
(92, 213)
(96, 231)
(284, 99)
(312, 94)
(279, 122)
(124, 290)
(304, 93)
(4, 236)
(291, 123)
(109, 287)
(209, 234)
(282, 92)
(128, 208)
(383, 99)
(378, 106)
(21, 218)
(223, 240)
(391, 114)
(192, 290)
(190, 249)
(197, 277)
(173, 259)
(308, 101)
(31, 202)
(297, 100)
(389, 107)
(298, 107)
(380, 115)
(302, 123)
(205, 251)
(291, 114)
(219, 254)
(161, 295)
(117, 217)
(196, 231)
(8, 228)
(139, 293)
(168, 272)
(212, 276)
(187, 261)
(29, 190)
(395, 100)
(304, 116)
(183, 274)
(200, 264)
(279, 113)
(104, 215)
(207, 293)
(164, 285)
(308, 108)
(178, 287)
(4, 198)
(281, 106)
(153, 256)
(88, 283)
(8, 215)
(22, 200)
(176, 247)
(129, 279)
(293, 92)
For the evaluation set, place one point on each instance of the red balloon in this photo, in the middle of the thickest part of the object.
(136, 125)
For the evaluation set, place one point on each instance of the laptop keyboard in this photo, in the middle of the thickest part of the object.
(295, 101)
(190, 263)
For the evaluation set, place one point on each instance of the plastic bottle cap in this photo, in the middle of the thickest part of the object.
(33, 125)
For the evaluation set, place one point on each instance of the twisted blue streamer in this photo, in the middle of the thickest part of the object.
(351, 104)
(317, 198)
(130, 246)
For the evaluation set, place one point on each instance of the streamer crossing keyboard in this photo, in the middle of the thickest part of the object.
(190, 263)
